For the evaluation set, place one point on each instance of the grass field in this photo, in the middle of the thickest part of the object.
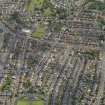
(47, 12)
(23, 102)
(40, 31)
(26, 102)
(38, 102)
(34, 4)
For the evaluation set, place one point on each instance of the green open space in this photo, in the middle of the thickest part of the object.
(47, 12)
(91, 54)
(23, 102)
(7, 84)
(45, 6)
(100, 21)
(39, 32)
(34, 4)
(27, 102)
(97, 5)
(38, 102)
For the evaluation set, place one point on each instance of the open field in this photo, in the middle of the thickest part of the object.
(34, 4)
(47, 12)
(38, 102)
(26, 102)
(40, 31)
(23, 102)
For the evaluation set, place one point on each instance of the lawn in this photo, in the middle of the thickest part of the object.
(40, 31)
(26, 102)
(47, 12)
(34, 4)
(38, 102)
(23, 102)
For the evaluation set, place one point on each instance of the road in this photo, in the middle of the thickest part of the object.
(102, 79)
